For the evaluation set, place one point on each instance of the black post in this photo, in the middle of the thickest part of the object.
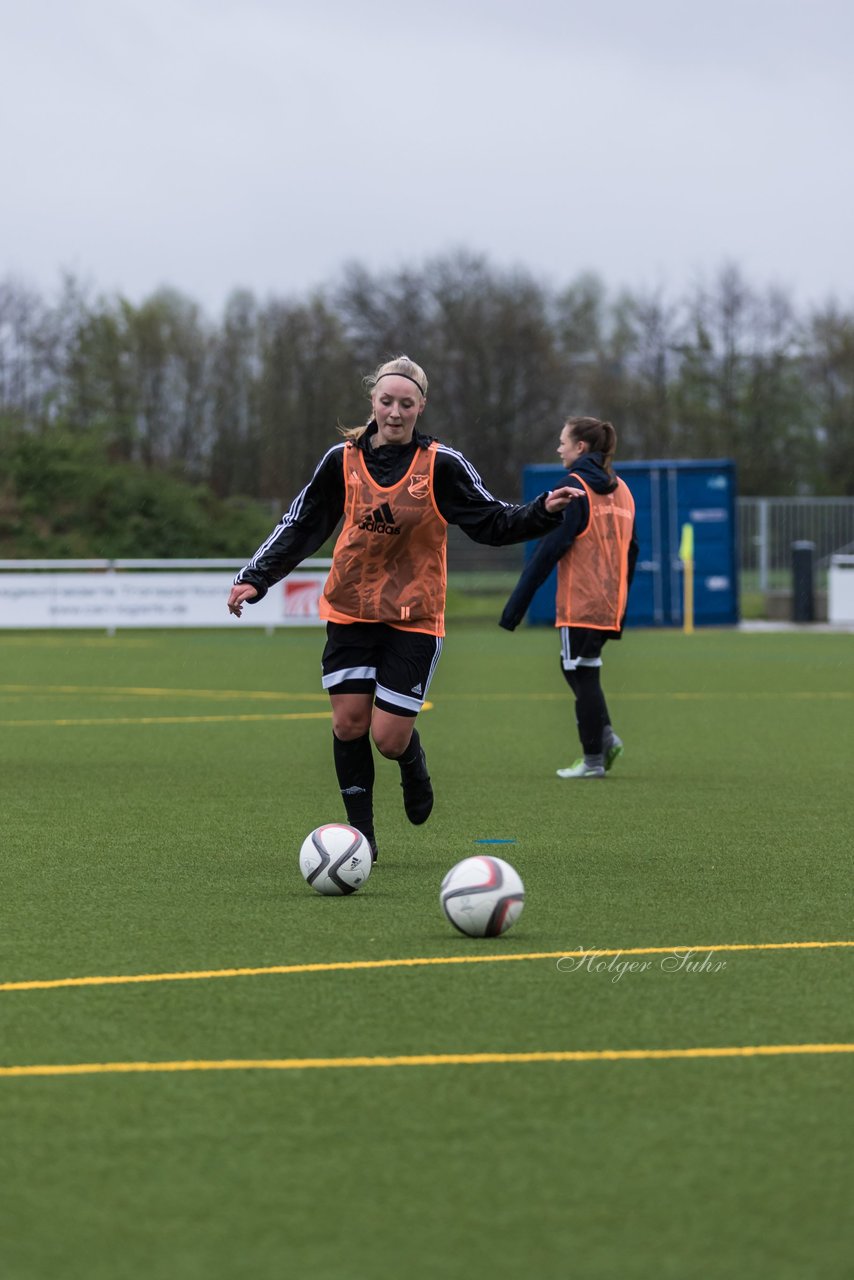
(803, 593)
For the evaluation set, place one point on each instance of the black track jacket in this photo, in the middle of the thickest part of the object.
(460, 496)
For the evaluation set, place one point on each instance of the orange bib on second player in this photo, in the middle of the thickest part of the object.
(390, 560)
(592, 578)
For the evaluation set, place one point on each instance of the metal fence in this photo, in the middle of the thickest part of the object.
(767, 528)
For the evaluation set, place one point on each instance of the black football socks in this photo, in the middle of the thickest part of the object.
(415, 780)
(590, 710)
(354, 765)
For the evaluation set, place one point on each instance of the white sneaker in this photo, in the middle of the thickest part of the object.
(582, 770)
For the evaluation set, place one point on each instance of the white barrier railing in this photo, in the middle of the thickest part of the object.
(109, 594)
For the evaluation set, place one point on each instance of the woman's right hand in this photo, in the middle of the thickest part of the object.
(557, 499)
(240, 593)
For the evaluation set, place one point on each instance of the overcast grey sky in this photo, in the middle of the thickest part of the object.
(210, 145)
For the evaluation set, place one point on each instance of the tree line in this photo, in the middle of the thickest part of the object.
(245, 404)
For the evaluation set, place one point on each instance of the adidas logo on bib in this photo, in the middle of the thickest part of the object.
(381, 520)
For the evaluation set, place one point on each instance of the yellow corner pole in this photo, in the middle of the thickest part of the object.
(686, 555)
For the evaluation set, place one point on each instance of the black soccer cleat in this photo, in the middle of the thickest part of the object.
(417, 790)
(372, 841)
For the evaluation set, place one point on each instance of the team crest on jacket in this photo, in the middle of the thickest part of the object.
(419, 486)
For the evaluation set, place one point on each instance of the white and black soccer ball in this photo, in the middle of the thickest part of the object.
(335, 859)
(482, 896)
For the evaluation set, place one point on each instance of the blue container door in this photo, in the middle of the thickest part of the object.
(703, 495)
(649, 597)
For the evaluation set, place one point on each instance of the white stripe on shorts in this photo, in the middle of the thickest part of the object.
(567, 661)
(349, 673)
(400, 699)
(436, 656)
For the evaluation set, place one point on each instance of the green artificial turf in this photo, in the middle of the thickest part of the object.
(153, 809)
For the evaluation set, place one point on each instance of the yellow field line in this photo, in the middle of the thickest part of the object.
(278, 695)
(156, 692)
(424, 1060)
(675, 696)
(44, 984)
(221, 695)
(743, 695)
(225, 719)
(67, 640)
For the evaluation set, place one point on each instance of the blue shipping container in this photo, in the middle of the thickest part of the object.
(667, 494)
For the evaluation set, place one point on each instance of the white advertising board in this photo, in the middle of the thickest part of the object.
(840, 589)
(113, 599)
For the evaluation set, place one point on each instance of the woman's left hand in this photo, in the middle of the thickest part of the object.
(560, 498)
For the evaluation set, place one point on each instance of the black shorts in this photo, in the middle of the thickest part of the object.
(582, 646)
(372, 657)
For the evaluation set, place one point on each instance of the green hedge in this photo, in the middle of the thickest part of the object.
(60, 495)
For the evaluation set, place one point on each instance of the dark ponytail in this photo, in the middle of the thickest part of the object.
(600, 437)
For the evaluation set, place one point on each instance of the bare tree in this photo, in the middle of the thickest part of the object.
(307, 381)
(830, 360)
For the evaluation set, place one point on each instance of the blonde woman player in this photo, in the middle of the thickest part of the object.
(384, 601)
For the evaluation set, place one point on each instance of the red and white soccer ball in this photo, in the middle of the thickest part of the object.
(335, 859)
(482, 896)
